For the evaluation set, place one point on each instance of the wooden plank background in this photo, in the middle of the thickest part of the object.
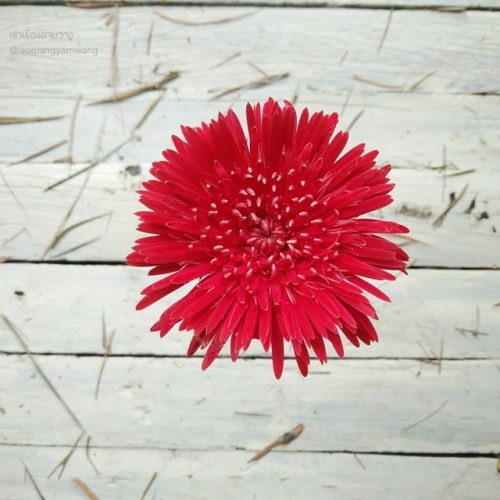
(414, 416)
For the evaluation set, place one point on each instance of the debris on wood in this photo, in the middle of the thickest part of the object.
(190, 22)
(285, 438)
(90, 166)
(87, 454)
(106, 344)
(146, 87)
(354, 120)
(432, 413)
(376, 84)
(148, 111)
(148, 486)
(72, 129)
(386, 30)
(27, 350)
(33, 482)
(85, 488)
(441, 218)
(39, 153)
(13, 120)
(421, 80)
(261, 82)
(226, 60)
(64, 462)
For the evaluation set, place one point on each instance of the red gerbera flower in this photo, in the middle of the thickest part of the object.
(269, 226)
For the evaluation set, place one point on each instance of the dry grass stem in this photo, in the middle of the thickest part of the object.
(261, 82)
(286, 438)
(76, 247)
(64, 462)
(461, 172)
(150, 109)
(346, 102)
(226, 60)
(190, 22)
(90, 166)
(150, 36)
(376, 84)
(13, 194)
(421, 80)
(33, 482)
(432, 413)
(87, 454)
(86, 489)
(26, 349)
(12, 120)
(151, 481)
(146, 87)
(354, 120)
(386, 30)
(72, 129)
(107, 351)
(21, 231)
(114, 59)
(39, 153)
(60, 230)
(4, 259)
(452, 203)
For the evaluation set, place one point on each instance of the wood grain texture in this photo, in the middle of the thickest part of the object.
(453, 5)
(61, 310)
(456, 51)
(199, 475)
(359, 406)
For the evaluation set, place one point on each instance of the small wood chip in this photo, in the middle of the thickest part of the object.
(286, 438)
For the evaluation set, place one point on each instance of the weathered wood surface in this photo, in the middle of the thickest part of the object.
(445, 5)
(168, 403)
(200, 475)
(453, 52)
(420, 85)
(59, 309)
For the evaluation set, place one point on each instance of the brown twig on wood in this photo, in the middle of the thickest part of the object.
(27, 350)
(85, 488)
(441, 218)
(376, 84)
(87, 454)
(148, 111)
(39, 153)
(148, 486)
(62, 464)
(285, 438)
(146, 87)
(421, 80)
(354, 120)
(72, 129)
(386, 30)
(261, 82)
(189, 22)
(33, 482)
(114, 58)
(13, 120)
(106, 344)
(90, 166)
(432, 413)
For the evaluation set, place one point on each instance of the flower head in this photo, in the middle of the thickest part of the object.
(269, 224)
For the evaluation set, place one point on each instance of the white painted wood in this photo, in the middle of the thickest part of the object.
(62, 307)
(184, 475)
(325, 48)
(370, 406)
(461, 241)
(409, 130)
